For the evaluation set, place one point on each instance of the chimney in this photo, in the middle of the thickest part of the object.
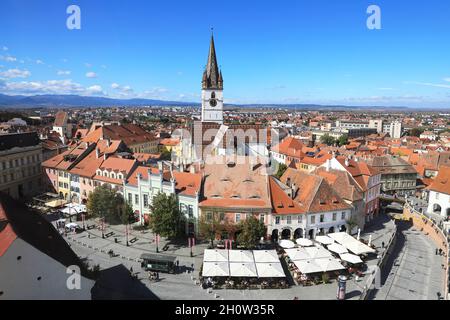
(104, 156)
(160, 166)
(108, 141)
(97, 153)
(347, 163)
(172, 185)
(294, 190)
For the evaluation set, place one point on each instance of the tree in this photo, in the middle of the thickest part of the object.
(166, 218)
(416, 132)
(105, 202)
(127, 214)
(251, 232)
(342, 140)
(281, 169)
(165, 155)
(327, 139)
(210, 225)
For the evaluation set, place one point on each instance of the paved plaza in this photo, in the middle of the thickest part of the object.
(90, 245)
(413, 271)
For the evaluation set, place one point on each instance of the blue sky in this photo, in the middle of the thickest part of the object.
(290, 51)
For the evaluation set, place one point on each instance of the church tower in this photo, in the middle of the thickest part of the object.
(212, 89)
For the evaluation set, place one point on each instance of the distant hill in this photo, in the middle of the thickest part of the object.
(79, 101)
(59, 101)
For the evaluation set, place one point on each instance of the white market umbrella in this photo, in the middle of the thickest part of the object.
(353, 259)
(270, 270)
(337, 248)
(266, 256)
(215, 269)
(238, 269)
(215, 255)
(240, 256)
(318, 252)
(307, 266)
(287, 244)
(329, 264)
(304, 242)
(324, 240)
(297, 254)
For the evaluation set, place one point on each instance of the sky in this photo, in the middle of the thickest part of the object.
(290, 51)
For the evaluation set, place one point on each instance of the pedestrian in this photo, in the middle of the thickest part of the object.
(436, 251)
(131, 269)
(192, 267)
(382, 245)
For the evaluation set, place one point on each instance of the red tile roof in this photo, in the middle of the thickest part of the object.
(442, 181)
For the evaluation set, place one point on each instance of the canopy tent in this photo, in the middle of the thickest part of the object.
(329, 264)
(337, 248)
(287, 244)
(324, 240)
(297, 254)
(71, 225)
(265, 256)
(307, 266)
(73, 209)
(242, 269)
(351, 243)
(318, 252)
(240, 256)
(304, 242)
(215, 269)
(270, 270)
(215, 255)
(55, 203)
(353, 259)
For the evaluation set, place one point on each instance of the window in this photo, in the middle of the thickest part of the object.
(136, 199)
(130, 198)
(277, 220)
(437, 195)
(209, 216)
(300, 219)
(343, 216)
(288, 220)
(322, 218)
(145, 200)
(238, 217)
(313, 219)
(334, 216)
(261, 217)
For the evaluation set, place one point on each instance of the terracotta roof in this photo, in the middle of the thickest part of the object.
(314, 193)
(60, 119)
(290, 147)
(169, 142)
(442, 181)
(342, 183)
(281, 202)
(130, 134)
(235, 184)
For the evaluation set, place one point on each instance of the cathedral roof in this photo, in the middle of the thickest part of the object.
(212, 77)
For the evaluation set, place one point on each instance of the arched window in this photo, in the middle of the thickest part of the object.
(213, 95)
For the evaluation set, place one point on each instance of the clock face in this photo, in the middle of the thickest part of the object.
(213, 102)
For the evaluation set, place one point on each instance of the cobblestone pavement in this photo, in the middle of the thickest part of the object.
(91, 246)
(413, 271)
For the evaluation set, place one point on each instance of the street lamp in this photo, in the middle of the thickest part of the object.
(82, 218)
(157, 242)
(126, 233)
(103, 227)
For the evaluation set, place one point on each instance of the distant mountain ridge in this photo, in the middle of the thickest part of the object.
(58, 101)
(51, 100)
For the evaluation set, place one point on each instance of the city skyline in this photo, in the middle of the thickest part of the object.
(304, 53)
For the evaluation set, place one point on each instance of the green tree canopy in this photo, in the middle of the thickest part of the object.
(281, 169)
(106, 202)
(416, 132)
(251, 231)
(343, 140)
(166, 218)
(327, 139)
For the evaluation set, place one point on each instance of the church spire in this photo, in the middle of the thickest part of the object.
(213, 76)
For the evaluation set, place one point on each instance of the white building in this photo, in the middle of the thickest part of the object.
(439, 197)
(145, 183)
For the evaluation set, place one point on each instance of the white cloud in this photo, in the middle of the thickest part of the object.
(64, 60)
(91, 74)
(428, 84)
(94, 89)
(8, 58)
(39, 61)
(447, 79)
(49, 87)
(87, 65)
(115, 85)
(122, 90)
(15, 73)
(386, 89)
(4, 48)
(63, 72)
